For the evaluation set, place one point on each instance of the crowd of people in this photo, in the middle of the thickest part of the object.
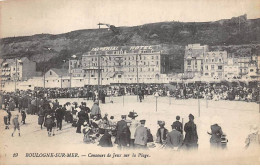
(126, 133)
(33, 98)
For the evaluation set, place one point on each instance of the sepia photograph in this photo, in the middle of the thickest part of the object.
(129, 82)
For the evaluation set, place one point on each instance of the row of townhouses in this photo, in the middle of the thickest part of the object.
(132, 64)
(199, 62)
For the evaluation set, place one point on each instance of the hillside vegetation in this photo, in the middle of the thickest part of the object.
(239, 35)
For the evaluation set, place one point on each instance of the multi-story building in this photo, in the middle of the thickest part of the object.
(243, 63)
(125, 64)
(231, 68)
(256, 60)
(17, 69)
(214, 64)
(75, 68)
(193, 60)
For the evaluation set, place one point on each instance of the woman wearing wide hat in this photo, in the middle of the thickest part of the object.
(133, 125)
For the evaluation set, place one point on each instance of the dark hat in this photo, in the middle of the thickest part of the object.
(132, 114)
(161, 122)
(123, 116)
(142, 121)
(177, 117)
(112, 117)
(191, 116)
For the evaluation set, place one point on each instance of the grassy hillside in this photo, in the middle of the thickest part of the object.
(235, 34)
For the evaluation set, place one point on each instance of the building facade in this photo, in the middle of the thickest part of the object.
(243, 63)
(214, 64)
(193, 60)
(75, 68)
(125, 64)
(231, 68)
(17, 70)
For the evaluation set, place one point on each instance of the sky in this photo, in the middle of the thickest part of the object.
(28, 17)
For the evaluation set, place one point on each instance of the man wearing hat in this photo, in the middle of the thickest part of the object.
(161, 133)
(141, 136)
(59, 116)
(191, 136)
(133, 125)
(122, 138)
(174, 138)
(178, 125)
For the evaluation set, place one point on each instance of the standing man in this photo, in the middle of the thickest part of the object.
(174, 138)
(122, 129)
(16, 125)
(191, 136)
(59, 116)
(133, 125)
(141, 136)
(82, 117)
(178, 125)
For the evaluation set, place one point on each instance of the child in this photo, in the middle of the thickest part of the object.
(23, 116)
(16, 125)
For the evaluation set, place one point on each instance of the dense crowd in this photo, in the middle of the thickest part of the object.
(182, 91)
(126, 133)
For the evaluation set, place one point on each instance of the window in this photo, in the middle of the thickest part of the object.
(157, 57)
(152, 57)
(212, 60)
(133, 69)
(207, 67)
(212, 66)
(144, 63)
(220, 60)
(206, 74)
(219, 67)
(153, 69)
(50, 73)
(189, 62)
(251, 70)
(157, 63)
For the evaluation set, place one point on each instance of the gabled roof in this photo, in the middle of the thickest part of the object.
(60, 72)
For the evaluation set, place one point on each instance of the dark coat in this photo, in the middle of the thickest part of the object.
(105, 140)
(123, 133)
(178, 126)
(82, 117)
(191, 136)
(60, 114)
(49, 122)
(158, 134)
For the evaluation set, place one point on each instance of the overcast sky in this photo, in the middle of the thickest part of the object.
(28, 17)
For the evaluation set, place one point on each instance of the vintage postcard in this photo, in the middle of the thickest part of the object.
(143, 82)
